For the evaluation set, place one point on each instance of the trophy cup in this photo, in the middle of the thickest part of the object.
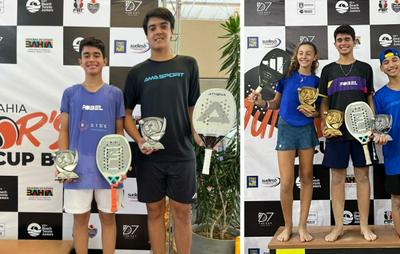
(66, 161)
(333, 121)
(152, 129)
(382, 124)
(307, 97)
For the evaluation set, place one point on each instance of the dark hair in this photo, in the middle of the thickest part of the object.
(294, 65)
(92, 42)
(162, 13)
(345, 29)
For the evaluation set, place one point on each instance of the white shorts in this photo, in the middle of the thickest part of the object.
(80, 201)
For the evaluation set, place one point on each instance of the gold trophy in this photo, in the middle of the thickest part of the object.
(307, 97)
(333, 121)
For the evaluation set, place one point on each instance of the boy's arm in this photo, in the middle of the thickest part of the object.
(119, 126)
(196, 136)
(130, 127)
(371, 102)
(63, 143)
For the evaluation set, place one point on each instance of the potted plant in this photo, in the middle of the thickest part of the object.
(217, 209)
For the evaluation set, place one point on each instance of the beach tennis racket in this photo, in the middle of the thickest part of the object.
(273, 67)
(113, 158)
(214, 116)
(358, 118)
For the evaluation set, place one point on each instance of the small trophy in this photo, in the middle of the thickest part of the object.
(382, 124)
(152, 129)
(66, 161)
(333, 121)
(307, 97)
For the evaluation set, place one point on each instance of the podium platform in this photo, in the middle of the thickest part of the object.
(351, 242)
(35, 247)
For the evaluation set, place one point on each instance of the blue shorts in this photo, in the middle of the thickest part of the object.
(295, 137)
(337, 154)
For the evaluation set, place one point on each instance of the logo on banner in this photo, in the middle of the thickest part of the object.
(264, 219)
(132, 7)
(358, 41)
(252, 42)
(263, 8)
(387, 217)
(252, 181)
(382, 6)
(39, 193)
(35, 230)
(347, 6)
(306, 38)
(306, 7)
(119, 46)
(4, 194)
(92, 231)
(129, 231)
(316, 183)
(271, 43)
(33, 6)
(312, 218)
(38, 45)
(271, 182)
(396, 6)
(140, 48)
(93, 7)
(351, 217)
(385, 40)
(2, 230)
(78, 6)
(76, 42)
(133, 197)
(1, 6)
(253, 251)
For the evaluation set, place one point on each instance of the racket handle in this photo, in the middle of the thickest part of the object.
(113, 198)
(366, 154)
(207, 161)
(258, 89)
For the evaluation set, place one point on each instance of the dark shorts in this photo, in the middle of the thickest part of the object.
(177, 180)
(295, 137)
(392, 184)
(337, 154)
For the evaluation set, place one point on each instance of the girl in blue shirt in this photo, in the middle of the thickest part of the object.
(296, 133)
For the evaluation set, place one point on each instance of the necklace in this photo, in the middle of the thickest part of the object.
(346, 73)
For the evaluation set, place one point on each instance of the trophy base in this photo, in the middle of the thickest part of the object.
(66, 176)
(306, 107)
(333, 132)
(156, 146)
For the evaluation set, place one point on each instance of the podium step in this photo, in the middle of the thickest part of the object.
(351, 242)
(35, 246)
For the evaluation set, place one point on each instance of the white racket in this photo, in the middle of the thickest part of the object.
(358, 118)
(113, 158)
(214, 116)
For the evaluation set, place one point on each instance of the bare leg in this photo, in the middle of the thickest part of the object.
(80, 232)
(108, 232)
(337, 194)
(286, 171)
(306, 157)
(183, 226)
(396, 213)
(363, 200)
(156, 226)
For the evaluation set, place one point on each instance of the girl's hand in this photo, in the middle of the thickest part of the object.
(380, 139)
(256, 98)
(308, 113)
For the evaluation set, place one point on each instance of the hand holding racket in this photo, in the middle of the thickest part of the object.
(214, 115)
(358, 119)
(113, 158)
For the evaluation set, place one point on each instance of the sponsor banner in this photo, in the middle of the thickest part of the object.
(348, 12)
(383, 212)
(8, 193)
(379, 182)
(262, 218)
(351, 215)
(384, 12)
(118, 76)
(131, 202)
(264, 13)
(40, 226)
(94, 230)
(306, 13)
(8, 225)
(87, 13)
(132, 232)
(256, 245)
(314, 34)
(130, 13)
(40, 12)
(350, 184)
(8, 12)
(128, 46)
(318, 214)
(384, 36)
(321, 183)
(8, 44)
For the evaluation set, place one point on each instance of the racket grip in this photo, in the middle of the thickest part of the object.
(258, 89)
(207, 161)
(366, 155)
(113, 199)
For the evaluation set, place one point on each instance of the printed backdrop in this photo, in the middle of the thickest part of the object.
(39, 40)
(283, 24)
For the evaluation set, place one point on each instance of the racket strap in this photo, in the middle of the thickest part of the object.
(114, 197)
